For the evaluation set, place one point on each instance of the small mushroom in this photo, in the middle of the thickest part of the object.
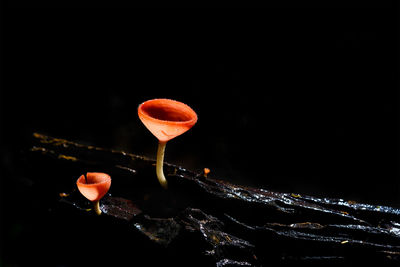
(94, 186)
(206, 172)
(165, 119)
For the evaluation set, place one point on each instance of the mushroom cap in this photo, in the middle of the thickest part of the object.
(166, 118)
(97, 186)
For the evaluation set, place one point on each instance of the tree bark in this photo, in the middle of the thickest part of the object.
(226, 224)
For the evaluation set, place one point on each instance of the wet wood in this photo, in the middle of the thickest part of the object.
(227, 224)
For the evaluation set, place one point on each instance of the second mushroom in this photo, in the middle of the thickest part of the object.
(165, 119)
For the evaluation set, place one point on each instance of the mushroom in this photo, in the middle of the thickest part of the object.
(165, 119)
(94, 186)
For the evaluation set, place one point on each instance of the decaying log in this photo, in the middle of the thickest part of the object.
(231, 225)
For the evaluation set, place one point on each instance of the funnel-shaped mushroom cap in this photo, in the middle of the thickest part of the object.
(96, 187)
(166, 118)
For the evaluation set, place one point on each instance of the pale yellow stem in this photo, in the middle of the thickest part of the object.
(96, 205)
(159, 164)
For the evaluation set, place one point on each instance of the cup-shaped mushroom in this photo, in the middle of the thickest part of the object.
(94, 186)
(166, 118)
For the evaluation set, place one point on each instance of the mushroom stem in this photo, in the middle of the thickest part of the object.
(159, 165)
(96, 205)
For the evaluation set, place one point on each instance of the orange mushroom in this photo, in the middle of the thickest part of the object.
(94, 186)
(206, 172)
(165, 119)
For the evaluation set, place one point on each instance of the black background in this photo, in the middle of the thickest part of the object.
(295, 100)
